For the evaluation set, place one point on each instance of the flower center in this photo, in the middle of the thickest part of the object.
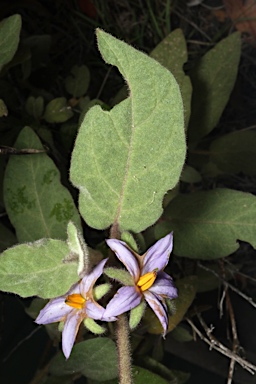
(75, 300)
(147, 280)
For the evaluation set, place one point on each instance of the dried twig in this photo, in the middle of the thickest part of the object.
(243, 295)
(218, 346)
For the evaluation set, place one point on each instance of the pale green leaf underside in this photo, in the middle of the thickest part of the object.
(208, 224)
(9, 38)
(213, 79)
(126, 159)
(38, 205)
(37, 269)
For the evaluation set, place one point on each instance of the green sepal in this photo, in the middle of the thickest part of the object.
(130, 241)
(78, 249)
(136, 314)
(120, 275)
(93, 327)
(101, 290)
(61, 326)
(171, 306)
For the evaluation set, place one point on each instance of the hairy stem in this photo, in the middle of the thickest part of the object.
(123, 346)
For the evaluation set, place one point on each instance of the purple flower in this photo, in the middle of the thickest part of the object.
(73, 307)
(149, 280)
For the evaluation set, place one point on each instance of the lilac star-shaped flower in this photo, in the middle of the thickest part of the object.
(73, 307)
(150, 282)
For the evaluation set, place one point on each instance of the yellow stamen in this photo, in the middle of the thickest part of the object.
(147, 280)
(75, 300)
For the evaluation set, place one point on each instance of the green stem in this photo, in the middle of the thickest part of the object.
(123, 346)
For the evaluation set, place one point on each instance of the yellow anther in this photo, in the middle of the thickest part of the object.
(147, 280)
(75, 300)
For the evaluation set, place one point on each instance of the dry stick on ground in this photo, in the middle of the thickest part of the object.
(218, 346)
(243, 295)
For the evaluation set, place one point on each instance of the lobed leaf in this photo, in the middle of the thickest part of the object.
(37, 269)
(213, 79)
(208, 225)
(9, 38)
(134, 153)
(38, 205)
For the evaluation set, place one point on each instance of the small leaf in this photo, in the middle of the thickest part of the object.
(186, 293)
(190, 175)
(213, 79)
(181, 334)
(35, 106)
(235, 152)
(208, 224)
(78, 248)
(142, 376)
(172, 54)
(37, 204)
(77, 83)
(134, 153)
(9, 38)
(95, 359)
(37, 269)
(57, 111)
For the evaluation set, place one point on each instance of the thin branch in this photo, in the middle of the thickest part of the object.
(243, 295)
(218, 346)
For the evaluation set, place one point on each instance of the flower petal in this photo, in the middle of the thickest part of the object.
(164, 285)
(157, 256)
(125, 299)
(89, 280)
(125, 256)
(54, 311)
(159, 307)
(96, 311)
(70, 330)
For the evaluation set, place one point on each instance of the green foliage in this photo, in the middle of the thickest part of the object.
(142, 376)
(35, 106)
(9, 38)
(37, 204)
(235, 152)
(78, 82)
(95, 359)
(134, 153)
(208, 224)
(57, 111)
(172, 54)
(213, 79)
(37, 269)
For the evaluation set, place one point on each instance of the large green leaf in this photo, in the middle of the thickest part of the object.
(235, 152)
(95, 358)
(208, 224)
(172, 54)
(126, 159)
(37, 269)
(9, 38)
(37, 204)
(213, 79)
